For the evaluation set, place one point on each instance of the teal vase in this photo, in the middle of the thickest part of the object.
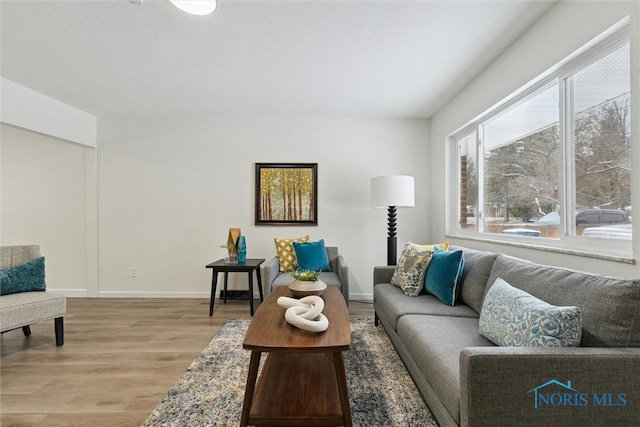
(242, 249)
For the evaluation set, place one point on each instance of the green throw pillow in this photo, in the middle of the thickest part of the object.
(26, 277)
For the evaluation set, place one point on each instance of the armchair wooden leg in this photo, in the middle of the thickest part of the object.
(59, 326)
(26, 330)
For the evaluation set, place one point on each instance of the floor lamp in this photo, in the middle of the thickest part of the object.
(392, 192)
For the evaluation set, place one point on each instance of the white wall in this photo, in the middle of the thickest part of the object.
(169, 189)
(48, 197)
(564, 29)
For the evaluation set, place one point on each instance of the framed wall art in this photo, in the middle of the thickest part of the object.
(286, 194)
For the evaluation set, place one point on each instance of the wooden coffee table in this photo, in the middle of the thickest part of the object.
(303, 381)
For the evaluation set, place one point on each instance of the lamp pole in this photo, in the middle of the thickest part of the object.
(392, 240)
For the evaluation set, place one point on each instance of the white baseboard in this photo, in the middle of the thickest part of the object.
(361, 297)
(84, 293)
(137, 294)
(72, 293)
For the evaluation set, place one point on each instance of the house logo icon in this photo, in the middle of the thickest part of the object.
(537, 391)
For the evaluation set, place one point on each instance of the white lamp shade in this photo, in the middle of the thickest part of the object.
(196, 7)
(394, 190)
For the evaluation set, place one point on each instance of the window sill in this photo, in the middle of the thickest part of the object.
(615, 257)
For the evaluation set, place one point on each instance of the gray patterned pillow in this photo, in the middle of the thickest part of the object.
(409, 273)
(511, 317)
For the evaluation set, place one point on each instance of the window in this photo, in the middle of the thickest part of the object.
(553, 164)
(521, 156)
(601, 135)
(467, 178)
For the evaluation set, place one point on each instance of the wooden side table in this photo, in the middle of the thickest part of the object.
(220, 266)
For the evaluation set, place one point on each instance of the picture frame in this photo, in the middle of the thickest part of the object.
(286, 194)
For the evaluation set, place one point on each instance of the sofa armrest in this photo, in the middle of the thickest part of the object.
(549, 386)
(269, 270)
(343, 275)
(383, 273)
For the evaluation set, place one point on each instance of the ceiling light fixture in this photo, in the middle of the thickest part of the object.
(196, 7)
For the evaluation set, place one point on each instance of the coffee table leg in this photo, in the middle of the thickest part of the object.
(341, 375)
(252, 376)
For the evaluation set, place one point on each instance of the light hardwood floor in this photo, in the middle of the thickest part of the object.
(119, 359)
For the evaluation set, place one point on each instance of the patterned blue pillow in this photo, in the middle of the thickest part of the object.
(513, 318)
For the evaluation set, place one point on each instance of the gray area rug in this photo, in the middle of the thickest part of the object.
(211, 391)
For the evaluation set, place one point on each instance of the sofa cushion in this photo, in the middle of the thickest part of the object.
(435, 343)
(25, 277)
(409, 273)
(512, 317)
(26, 308)
(11, 256)
(311, 255)
(286, 254)
(443, 275)
(477, 267)
(610, 306)
(391, 303)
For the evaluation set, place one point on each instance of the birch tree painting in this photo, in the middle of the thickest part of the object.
(286, 193)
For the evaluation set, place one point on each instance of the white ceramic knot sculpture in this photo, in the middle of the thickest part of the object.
(305, 313)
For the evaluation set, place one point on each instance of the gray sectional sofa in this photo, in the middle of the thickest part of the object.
(466, 380)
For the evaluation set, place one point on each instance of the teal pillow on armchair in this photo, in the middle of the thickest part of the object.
(312, 256)
(25, 277)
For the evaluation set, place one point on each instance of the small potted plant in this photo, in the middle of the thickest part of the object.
(307, 283)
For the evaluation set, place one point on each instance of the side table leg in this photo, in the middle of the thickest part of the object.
(259, 277)
(341, 376)
(226, 279)
(251, 292)
(252, 376)
(214, 284)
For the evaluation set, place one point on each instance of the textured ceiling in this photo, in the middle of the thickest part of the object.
(257, 58)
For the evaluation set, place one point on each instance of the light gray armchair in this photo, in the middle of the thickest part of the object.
(24, 308)
(338, 276)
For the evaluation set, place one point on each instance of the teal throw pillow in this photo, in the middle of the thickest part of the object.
(444, 274)
(512, 317)
(312, 256)
(25, 277)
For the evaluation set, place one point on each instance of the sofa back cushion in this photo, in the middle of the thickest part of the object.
(332, 254)
(477, 266)
(11, 256)
(610, 306)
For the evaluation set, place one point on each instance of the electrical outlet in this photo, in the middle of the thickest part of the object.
(134, 271)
